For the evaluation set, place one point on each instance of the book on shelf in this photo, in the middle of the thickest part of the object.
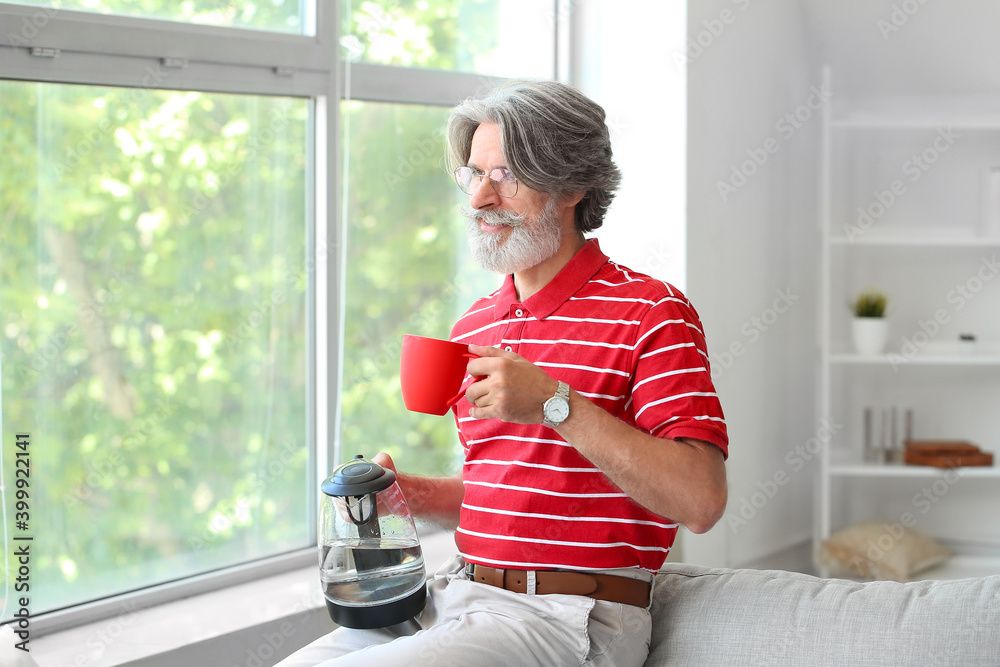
(945, 454)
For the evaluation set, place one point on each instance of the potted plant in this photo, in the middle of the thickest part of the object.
(870, 329)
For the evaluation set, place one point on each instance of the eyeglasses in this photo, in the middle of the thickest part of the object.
(502, 180)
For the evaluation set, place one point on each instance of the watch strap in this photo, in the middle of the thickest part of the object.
(563, 391)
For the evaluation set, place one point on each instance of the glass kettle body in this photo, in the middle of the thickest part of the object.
(371, 566)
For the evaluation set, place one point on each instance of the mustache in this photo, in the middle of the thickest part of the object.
(493, 217)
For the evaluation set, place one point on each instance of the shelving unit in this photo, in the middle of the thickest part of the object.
(901, 210)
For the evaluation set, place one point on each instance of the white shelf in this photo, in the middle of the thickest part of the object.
(917, 121)
(925, 357)
(901, 470)
(962, 567)
(930, 242)
(958, 566)
(928, 238)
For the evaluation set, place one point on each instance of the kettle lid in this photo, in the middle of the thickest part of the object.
(358, 477)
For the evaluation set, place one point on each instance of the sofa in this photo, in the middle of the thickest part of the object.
(712, 616)
(735, 617)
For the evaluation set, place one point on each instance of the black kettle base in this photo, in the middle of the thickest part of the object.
(380, 616)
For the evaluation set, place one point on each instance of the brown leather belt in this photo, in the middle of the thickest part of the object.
(609, 587)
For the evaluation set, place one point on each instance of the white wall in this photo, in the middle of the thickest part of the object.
(752, 245)
(621, 62)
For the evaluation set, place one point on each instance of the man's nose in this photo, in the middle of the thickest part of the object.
(484, 196)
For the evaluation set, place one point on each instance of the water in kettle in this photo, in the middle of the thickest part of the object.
(363, 572)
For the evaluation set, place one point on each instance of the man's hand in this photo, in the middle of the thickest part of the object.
(385, 461)
(510, 388)
(435, 499)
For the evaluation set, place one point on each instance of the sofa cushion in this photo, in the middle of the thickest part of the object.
(705, 616)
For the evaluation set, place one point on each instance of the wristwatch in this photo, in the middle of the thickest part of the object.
(556, 409)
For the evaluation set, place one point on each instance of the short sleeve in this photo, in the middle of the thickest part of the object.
(673, 395)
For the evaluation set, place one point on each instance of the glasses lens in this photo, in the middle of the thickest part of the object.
(463, 176)
(504, 182)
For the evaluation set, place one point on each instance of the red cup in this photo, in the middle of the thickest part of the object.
(431, 372)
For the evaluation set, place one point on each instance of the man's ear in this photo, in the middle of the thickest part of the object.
(572, 198)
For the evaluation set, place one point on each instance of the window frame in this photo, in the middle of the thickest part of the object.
(74, 47)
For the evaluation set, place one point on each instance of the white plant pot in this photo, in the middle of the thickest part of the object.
(870, 334)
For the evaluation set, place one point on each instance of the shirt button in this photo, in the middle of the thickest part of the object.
(509, 348)
(519, 312)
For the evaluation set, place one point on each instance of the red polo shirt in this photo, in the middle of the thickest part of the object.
(633, 345)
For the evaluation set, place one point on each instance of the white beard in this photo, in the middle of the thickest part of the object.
(529, 242)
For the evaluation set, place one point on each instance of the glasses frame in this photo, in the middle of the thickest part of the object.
(480, 174)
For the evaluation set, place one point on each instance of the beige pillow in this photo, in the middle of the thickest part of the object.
(879, 550)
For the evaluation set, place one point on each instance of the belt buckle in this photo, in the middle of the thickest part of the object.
(470, 570)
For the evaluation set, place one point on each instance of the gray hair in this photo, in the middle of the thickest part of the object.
(553, 138)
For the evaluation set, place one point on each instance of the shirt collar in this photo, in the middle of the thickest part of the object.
(581, 268)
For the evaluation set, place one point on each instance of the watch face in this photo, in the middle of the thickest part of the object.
(556, 410)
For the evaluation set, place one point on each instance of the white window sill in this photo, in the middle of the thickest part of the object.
(254, 623)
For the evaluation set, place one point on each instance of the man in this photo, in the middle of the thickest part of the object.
(590, 415)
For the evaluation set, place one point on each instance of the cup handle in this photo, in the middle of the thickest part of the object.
(461, 394)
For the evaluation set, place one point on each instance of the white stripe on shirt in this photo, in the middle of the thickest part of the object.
(619, 299)
(525, 464)
(556, 517)
(594, 369)
(674, 398)
(544, 492)
(699, 369)
(535, 540)
(519, 438)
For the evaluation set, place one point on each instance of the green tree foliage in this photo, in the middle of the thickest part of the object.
(152, 322)
(153, 303)
(277, 15)
(407, 269)
(435, 34)
(407, 272)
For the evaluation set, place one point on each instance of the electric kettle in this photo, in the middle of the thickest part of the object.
(371, 566)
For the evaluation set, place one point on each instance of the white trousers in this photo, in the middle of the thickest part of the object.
(474, 625)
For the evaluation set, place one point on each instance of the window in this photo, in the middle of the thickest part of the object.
(278, 16)
(211, 250)
(510, 38)
(152, 308)
(406, 272)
